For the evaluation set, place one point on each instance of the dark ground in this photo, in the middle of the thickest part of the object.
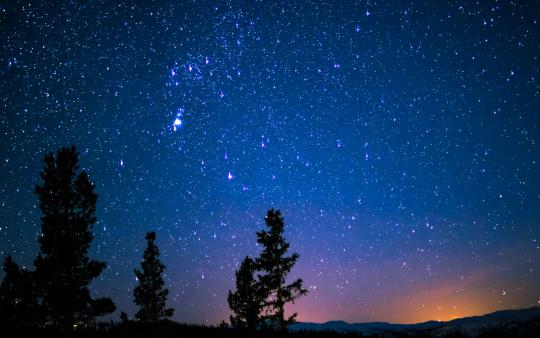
(529, 329)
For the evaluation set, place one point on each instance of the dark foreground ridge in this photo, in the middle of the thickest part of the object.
(505, 320)
(509, 323)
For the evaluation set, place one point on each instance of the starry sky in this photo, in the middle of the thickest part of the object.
(398, 138)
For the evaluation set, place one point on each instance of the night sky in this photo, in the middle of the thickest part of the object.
(398, 138)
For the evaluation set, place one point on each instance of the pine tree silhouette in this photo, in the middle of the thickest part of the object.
(246, 302)
(124, 318)
(275, 267)
(63, 269)
(9, 292)
(18, 304)
(150, 294)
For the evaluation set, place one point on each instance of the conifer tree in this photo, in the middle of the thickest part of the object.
(246, 302)
(9, 292)
(124, 318)
(17, 300)
(275, 267)
(150, 294)
(63, 269)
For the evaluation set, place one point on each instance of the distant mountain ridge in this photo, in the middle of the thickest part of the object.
(468, 325)
(342, 326)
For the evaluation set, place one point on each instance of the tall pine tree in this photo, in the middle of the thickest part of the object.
(275, 267)
(63, 269)
(150, 294)
(246, 302)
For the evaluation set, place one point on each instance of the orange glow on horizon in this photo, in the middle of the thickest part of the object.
(472, 296)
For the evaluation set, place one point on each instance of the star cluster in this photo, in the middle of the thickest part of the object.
(398, 138)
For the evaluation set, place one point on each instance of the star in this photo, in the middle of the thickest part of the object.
(177, 123)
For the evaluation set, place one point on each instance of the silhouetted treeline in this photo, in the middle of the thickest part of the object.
(168, 329)
(55, 295)
(53, 300)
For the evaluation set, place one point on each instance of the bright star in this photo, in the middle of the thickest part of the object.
(177, 123)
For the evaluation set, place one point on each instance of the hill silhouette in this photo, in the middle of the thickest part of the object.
(470, 326)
